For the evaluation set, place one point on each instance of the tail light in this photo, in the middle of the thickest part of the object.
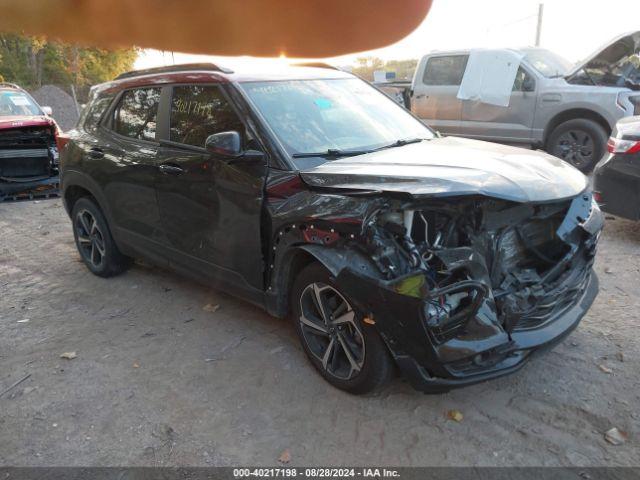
(61, 141)
(617, 145)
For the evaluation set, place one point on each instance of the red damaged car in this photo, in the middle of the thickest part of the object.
(28, 150)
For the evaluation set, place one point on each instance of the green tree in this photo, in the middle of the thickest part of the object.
(32, 62)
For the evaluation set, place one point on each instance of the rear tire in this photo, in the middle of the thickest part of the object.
(94, 242)
(580, 142)
(347, 352)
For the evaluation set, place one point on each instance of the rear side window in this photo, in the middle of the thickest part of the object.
(136, 114)
(200, 111)
(95, 112)
(445, 70)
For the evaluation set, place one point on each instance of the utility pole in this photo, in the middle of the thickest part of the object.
(539, 27)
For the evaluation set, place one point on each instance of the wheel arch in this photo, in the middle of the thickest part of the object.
(296, 258)
(572, 114)
(283, 275)
(74, 193)
(76, 185)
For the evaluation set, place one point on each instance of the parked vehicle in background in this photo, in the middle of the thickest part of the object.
(567, 111)
(617, 176)
(28, 150)
(310, 193)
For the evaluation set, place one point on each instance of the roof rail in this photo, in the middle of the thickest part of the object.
(175, 68)
(315, 65)
(10, 85)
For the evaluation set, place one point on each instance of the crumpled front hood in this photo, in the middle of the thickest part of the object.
(454, 166)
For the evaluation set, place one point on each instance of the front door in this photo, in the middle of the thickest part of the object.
(513, 123)
(435, 92)
(210, 207)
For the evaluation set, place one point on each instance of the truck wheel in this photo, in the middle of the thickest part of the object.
(348, 353)
(580, 142)
(94, 241)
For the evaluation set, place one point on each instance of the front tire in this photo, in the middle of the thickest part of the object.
(580, 142)
(94, 242)
(348, 353)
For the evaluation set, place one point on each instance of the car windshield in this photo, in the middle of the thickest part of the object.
(547, 63)
(335, 117)
(14, 103)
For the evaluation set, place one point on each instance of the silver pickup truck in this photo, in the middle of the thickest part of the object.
(569, 111)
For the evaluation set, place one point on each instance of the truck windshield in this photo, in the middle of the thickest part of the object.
(547, 63)
(333, 117)
(14, 103)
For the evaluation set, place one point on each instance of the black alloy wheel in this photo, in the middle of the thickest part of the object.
(575, 147)
(90, 239)
(349, 353)
(328, 326)
(580, 142)
(93, 239)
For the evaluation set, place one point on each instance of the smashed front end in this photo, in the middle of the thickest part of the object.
(28, 160)
(462, 289)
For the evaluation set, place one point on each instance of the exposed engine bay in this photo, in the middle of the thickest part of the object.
(513, 256)
(28, 158)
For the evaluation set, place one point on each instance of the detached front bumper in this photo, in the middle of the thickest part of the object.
(507, 358)
(457, 363)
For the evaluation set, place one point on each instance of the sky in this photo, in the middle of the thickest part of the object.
(572, 28)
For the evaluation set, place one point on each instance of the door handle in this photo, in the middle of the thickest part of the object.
(169, 169)
(422, 96)
(96, 153)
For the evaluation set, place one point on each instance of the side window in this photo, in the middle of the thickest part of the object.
(522, 78)
(200, 111)
(445, 70)
(137, 113)
(95, 111)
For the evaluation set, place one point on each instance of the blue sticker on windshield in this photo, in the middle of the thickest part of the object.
(322, 103)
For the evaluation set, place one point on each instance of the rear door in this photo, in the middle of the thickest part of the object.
(513, 123)
(435, 92)
(126, 149)
(210, 207)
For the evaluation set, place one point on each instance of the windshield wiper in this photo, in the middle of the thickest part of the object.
(336, 153)
(400, 143)
(331, 153)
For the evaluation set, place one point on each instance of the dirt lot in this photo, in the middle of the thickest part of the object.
(158, 380)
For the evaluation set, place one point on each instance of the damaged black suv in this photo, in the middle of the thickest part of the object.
(310, 193)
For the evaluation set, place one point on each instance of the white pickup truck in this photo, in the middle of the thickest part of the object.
(545, 103)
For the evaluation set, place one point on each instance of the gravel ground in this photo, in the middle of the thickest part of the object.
(158, 380)
(64, 108)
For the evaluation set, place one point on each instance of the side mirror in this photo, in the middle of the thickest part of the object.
(528, 85)
(48, 111)
(224, 144)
